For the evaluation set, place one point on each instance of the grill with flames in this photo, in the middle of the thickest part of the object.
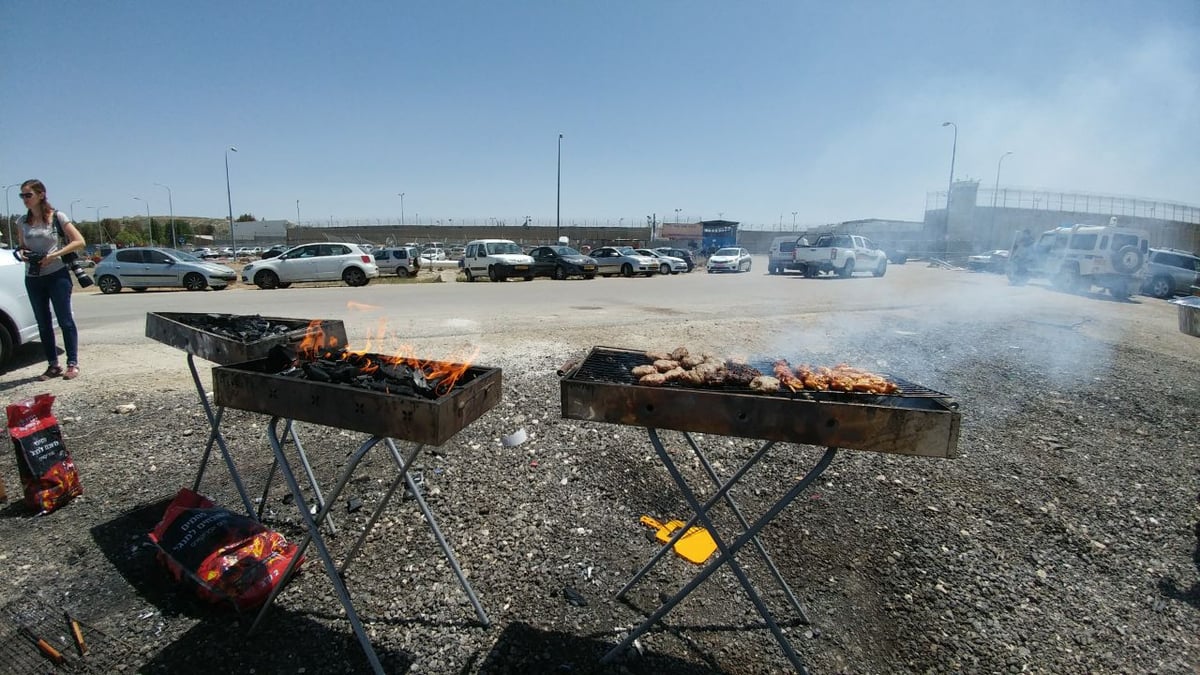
(912, 421)
(236, 338)
(401, 397)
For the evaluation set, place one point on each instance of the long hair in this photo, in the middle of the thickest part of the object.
(37, 187)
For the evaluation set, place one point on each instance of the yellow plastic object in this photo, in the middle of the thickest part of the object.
(695, 546)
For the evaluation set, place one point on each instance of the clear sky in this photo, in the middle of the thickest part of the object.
(745, 110)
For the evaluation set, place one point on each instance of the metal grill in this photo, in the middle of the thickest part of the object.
(919, 421)
(183, 330)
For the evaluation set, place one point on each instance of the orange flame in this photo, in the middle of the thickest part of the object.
(440, 375)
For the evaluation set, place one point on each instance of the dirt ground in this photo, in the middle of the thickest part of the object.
(1062, 539)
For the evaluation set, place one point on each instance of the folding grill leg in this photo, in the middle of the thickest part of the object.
(289, 431)
(437, 532)
(675, 536)
(726, 553)
(737, 512)
(387, 497)
(214, 436)
(314, 536)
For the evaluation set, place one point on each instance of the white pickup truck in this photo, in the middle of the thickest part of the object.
(841, 254)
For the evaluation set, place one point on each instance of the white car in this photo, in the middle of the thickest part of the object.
(729, 259)
(497, 259)
(668, 264)
(17, 323)
(324, 261)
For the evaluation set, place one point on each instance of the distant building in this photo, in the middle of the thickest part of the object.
(261, 231)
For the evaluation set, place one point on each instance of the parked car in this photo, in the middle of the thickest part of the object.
(681, 253)
(729, 259)
(497, 259)
(561, 262)
(779, 255)
(247, 252)
(667, 264)
(433, 253)
(403, 261)
(992, 261)
(625, 261)
(17, 323)
(325, 261)
(145, 267)
(204, 253)
(840, 254)
(277, 249)
(1079, 257)
(1170, 271)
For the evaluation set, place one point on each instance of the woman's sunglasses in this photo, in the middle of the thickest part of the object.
(26, 195)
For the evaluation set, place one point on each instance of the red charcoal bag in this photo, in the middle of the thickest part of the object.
(228, 556)
(47, 471)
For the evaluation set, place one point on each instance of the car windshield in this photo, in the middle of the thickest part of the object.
(502, 248)
(646, 251)
(732, 252)
(565, 250)
(628, 250)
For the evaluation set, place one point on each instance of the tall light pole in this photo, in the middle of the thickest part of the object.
(73, 203)
(997, 188)
(950, 187)
(99, 227)
(297, 213)
(401, 208)
(558, 193)
(229, 198)
(171, 206)
(677, 214)
(794, 219)
(8, 216)
(149, 223)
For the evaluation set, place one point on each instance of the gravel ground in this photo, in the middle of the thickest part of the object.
(1063, 539)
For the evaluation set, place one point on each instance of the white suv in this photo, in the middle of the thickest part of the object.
(1081, 256)
(325, 261)
(17, 323)
(497, 259)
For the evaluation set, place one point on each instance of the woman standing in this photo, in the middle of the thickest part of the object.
(46, 236)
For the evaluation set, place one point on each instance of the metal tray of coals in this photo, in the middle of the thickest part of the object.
(254, 386)
(599, 389)
(237, 338)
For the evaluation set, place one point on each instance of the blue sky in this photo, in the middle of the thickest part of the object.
(748, 110)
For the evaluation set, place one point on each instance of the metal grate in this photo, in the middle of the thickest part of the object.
(612, 365)
(19, 655)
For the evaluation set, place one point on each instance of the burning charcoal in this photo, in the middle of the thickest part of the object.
(316, 372)
(343, 373)
(280, 358)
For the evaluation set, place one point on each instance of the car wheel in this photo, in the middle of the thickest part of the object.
(749, 265)
(589, 276)
(664, 269)
(194, 282)
(139, 289)
(266, 280)
(847, 270)
(354, 277)
(109, 284)
(467, 274)
(881, 270)
(493, 275)
(219, 288)
(560, 273)
(626, 270)
(1067, 279)
(1121, 291)
(402, 272)
(6, 347)
(1160, 287)
(285, 284)
(529, 278)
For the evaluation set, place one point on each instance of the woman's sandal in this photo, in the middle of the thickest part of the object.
(72, 372)
(52, 372)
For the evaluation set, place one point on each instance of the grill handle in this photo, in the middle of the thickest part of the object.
(569, 367)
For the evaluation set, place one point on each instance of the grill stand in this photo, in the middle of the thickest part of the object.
(727, 552)
(215, 437)
(313, 527)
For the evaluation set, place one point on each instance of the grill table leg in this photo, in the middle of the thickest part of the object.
(289, 431)
(215, 436)
(727, 553)
(737, 512)
(404, 464)
(314, 536)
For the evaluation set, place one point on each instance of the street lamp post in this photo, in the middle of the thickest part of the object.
(73, 203)
(8, 216)
(677, 214)
(171, 206)
(229, 199)
(558, 193)
(401, 209)
(297, 213)
(950, 187)
(149, 223)
(997, 188)
(99, 227)
(794, 219)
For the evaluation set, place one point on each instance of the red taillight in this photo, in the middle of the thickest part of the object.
(367, 259)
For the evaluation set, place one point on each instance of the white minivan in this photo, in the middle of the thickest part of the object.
(497, 259)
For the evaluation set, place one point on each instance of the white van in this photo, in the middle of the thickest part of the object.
(781, 253)
(497, 259)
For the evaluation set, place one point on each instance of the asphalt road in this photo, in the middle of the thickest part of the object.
(515, 317)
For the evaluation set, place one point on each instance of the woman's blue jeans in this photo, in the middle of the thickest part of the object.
(54, 290)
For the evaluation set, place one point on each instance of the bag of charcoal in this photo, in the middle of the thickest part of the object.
(47, 471)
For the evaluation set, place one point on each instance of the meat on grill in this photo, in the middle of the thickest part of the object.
(709, 371)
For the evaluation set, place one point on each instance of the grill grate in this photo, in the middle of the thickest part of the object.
(612, 365)
(19, 655)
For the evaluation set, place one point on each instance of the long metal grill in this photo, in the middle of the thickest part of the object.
(613, 365)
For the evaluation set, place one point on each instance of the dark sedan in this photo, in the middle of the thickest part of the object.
(561, 262)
